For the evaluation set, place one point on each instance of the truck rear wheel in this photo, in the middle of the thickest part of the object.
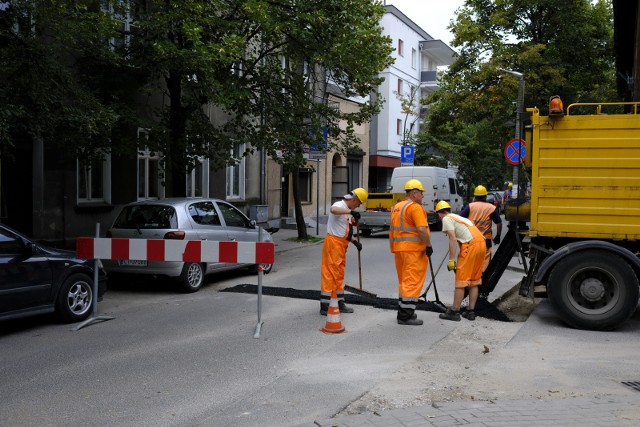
(594, 290)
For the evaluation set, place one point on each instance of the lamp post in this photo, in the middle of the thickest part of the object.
(520, 110)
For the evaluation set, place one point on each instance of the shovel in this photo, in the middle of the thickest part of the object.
(359, 291)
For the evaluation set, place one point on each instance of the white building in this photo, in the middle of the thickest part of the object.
(417, 58)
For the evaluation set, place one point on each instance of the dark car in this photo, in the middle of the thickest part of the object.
(36, 279)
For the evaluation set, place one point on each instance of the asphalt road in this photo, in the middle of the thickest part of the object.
(169, 359)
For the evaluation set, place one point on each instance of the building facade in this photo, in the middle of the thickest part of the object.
(412, 76)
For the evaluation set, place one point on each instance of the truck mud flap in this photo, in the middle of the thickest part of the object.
(499, 262)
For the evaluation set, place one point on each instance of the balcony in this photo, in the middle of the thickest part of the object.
(428, 81)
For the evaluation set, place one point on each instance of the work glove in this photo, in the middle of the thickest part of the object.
(496, 240)
(429, 251)
(357, 244)
(355, 215)
(451, 265)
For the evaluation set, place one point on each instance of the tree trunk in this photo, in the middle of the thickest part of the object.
(300, 224)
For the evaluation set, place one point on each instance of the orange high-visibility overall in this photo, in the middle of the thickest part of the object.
(409, 251)
(334, 260)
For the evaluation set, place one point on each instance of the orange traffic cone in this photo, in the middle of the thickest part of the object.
(333, 325)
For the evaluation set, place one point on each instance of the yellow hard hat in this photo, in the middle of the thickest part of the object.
(480, 190)
(442, 205)
(413, 184)
(361, 194)
(510, 185)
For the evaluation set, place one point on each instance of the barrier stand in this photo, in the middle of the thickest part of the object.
(260, 322)
(94, 318)
(179, 250)
(260, 274)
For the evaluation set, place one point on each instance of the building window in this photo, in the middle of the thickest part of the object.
(123, 12)
(235, 174)
(94, 181)
(398, 127)
(304, 184)
(414, 59)
(399, 86)
(198, 179)
(149, 172)
(400, 47)
(355, 176)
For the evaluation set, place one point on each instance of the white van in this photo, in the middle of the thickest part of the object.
(439, 184)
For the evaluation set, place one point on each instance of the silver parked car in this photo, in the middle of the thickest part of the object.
(187, 219)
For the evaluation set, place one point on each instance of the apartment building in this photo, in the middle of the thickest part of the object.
(412, 76)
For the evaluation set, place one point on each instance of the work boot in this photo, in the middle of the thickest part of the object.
(323, 309)
(343, 307)
(411, 321)
(469, 315)
(414, 316)
(451, 314)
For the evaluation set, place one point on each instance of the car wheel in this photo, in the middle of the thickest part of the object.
(75, 298)
(192, 277)
(593, 290)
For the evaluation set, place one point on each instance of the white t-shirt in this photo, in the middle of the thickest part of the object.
(337, 224)
(463, 235)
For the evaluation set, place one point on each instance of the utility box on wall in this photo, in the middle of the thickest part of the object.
(259, 213)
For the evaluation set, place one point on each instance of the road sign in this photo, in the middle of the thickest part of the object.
(318, 151)
(515, 151)
(407, 154)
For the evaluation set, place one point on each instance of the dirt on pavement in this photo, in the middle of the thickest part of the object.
(460, 366)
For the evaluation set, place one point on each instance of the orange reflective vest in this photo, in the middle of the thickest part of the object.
(406, 217)
(479, 214)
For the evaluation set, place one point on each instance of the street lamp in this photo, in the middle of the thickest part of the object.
(519, 111)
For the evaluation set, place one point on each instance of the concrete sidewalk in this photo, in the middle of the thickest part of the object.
(610, 411)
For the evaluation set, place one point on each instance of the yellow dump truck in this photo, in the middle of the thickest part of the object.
(578, 232)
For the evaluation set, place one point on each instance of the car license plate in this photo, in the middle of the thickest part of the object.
(132, 262)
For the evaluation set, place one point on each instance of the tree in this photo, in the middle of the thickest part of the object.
(562, 48)
(266, 66)
(203, 77)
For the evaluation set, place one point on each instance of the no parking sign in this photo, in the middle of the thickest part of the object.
(515, 151)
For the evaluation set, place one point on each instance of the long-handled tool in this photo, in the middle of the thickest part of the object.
(433, 282)
(359, 291)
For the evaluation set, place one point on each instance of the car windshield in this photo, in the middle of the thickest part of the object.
(147, 217)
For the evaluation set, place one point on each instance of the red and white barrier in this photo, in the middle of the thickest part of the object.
(176, 250)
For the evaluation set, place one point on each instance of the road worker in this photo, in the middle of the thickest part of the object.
(466, 237)
(508, 192)
(410, 243)
(483, 214)
(334, 250)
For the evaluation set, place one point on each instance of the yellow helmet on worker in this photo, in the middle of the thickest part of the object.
(413, 184)
(359, 193)
(480, 190)
(510, 185)
(442, 205)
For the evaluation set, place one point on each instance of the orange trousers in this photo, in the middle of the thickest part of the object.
(334, 260)
(411, 267)
(470, 262)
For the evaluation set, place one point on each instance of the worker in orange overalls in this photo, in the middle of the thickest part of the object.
(334, 249)
(464, 235)
(484, 215)
(410, 243)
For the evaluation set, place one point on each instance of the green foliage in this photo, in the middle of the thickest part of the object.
(202, 77)
(562, 48)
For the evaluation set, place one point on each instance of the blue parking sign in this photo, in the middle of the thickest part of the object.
(407, 153)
